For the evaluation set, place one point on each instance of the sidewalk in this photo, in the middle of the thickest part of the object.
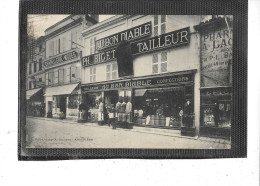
(156, 131)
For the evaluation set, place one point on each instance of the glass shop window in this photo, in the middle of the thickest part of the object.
(159, 106)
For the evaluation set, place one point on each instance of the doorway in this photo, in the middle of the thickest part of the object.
(63, 104)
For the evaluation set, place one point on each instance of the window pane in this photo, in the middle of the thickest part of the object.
(163, 18)
(114, 75)
(108, 68)
(90, 79)
(155, 68)
(67, 75)
(94, 70)
(163, 29)
(156, 31)
(164, 56)
(61, 76)
(108, 76)
(94, 78)
(90, 71)
(114, 67)
(164, 67)
(155, 19)
(155, 58)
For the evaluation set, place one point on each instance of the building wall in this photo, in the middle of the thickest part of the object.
(178, 59)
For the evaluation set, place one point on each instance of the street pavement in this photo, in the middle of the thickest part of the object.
(54, 133)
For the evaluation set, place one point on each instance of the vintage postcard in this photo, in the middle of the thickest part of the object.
(124, 81)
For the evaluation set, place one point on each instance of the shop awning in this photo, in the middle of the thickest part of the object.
(30, 93)
(60, 90)
(140, 92)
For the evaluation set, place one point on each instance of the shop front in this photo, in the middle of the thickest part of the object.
(216, 112)
(35, 102)
(152, 101)
(63, 101)
(216, 76)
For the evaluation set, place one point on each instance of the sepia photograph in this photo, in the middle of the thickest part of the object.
(129, 81)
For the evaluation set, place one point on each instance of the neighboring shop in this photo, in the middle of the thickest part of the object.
(216, 76)
(35, 80)
(143, 70)
(63, 66)
(35, 102)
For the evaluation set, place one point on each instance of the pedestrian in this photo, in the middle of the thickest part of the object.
(105, 112)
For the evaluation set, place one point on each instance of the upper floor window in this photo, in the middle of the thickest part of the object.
(61, 76)
(159, 63)
(111, 71)
(74, 36)
(92, 45)
(51, 48)
(75, 74)
(92, 74)
(159, 25)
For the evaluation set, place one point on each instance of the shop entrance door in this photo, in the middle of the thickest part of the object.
(63, 104)
(111, 98)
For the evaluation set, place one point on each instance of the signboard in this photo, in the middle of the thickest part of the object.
(172, 39)
(216, 58)
(140, 82)
(61, 58)
(127, 35)
(101, 57)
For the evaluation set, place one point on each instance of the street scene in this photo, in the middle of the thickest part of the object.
(160, 81)
(46, 133)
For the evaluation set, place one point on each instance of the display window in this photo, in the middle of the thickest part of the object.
(159, 106)
(216, 107)
(73, 102)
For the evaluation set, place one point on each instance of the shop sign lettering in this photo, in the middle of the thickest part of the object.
(128, 35)
(216, 58)
(98, 58)
(60, 59)
(172, 39)
(141, 83)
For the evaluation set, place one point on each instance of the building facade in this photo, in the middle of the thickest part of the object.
(62, 65)
(216, 34)
(145, 69)
(35, 77)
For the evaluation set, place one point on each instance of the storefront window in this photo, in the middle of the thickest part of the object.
(216, 107)
(159, 106)
(73, 102)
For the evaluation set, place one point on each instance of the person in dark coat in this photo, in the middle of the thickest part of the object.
(188, 114)
(105, 112)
